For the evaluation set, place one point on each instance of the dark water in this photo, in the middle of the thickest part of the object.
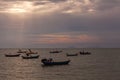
(102, 64)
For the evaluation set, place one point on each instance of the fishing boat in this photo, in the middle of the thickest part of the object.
(85, 53)
(51, 62)
(12, 55)
(31, 52)
(30, 56)
(55, 51)
(71, 54)
(20, 51)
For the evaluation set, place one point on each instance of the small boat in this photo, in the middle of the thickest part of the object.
(85, 53)
(71, 54)
(55, 51)
(12, 55)
(31, 52)
(51, 62)
(30, 56)
(20, 51)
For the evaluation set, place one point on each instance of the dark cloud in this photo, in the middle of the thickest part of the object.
(106, 4)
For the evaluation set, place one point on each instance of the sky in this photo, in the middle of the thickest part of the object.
(59, 23)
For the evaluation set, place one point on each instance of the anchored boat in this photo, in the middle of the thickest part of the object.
(51, 62)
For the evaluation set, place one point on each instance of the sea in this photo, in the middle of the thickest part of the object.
(102, 64)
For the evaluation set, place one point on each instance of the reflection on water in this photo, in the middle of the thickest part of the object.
(102, 64)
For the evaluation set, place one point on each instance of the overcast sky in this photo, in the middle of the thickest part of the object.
(59, 23)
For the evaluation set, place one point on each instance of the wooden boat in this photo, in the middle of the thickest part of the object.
(51, 62)
(30, 56)
(85, 53)
(12, 55)
(71, 54)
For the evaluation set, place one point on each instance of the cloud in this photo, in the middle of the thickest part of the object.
(63, 6)
(60, 39)
(106, 4)
(63, 39)
(79, 23)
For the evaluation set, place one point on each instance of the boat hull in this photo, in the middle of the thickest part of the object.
(30, 57)
(55, 51)
(85, 53)
(56, 63)
(12, 55)
(71, 54)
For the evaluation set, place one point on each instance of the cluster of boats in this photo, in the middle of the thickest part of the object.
(34, 55)
(27, 54)
(81, 53)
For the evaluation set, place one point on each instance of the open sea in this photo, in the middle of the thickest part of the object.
(102, 64)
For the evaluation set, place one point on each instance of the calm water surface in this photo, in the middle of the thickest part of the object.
(102, 64)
